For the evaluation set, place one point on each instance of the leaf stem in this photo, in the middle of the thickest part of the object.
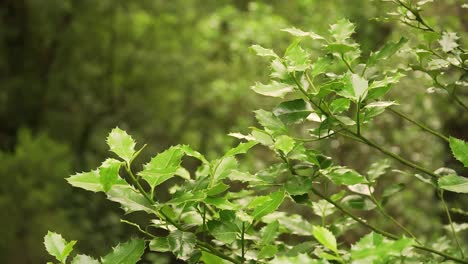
(243, 242)
(422, 126)
(175, 224)
(449, 217)
(384, 213)
(346, 62)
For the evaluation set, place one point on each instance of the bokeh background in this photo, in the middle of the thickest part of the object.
(173, 72)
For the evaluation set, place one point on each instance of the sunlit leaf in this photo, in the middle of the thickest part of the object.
(126, 253)
(121, 144)
(325, 237)
(454, 183)
(162, 167)
(460, 150)
(57, 246)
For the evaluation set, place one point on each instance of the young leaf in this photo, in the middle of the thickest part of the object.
(268, 251)
(374, 248)
(240, 149)
(342, 30)
(261, 51)
(358, 202)
(386, 51)
(291, 112)
(223, 168)
(297, 58)
(284, 143)
(269, 206)
(321, 65)
(459, 150)
(270, 122)
(86, 180)
(159, 244)
(269, 233)
(126, 253)
(454, 183)
(355, 87)
(83, 259)
(129, 198)
(109, 173)
(299, 33)
(57, 246)
(225, 232)
(182, 244)
(344, 176)
(377, 169)
(448, 42)
(121, 144)
(162, 167)
(339, 105)
(274, 89)
(209, 258)
(325, 237)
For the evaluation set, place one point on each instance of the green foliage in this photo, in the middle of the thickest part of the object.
(209, 217)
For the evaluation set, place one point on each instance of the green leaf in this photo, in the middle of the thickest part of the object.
(223, 231)
(221, 203)
(240, 149)
(325, 237)
(377, 169)
(291, 112)
(193, 153)
(129, 198)
(344, 176)
(323, 208)
(386, 51)
(374, 248)
(339, 105)
(109, 173)
(129, 252)
(83, 259)
(185, 197)
(209, 258)
(263, 52)
(268, 206)
(273, 89)
(270, 122)
(217, 189)
(268, 251)
(86, 180)
(392, 189)
(298, 185)
(57, 246)
(162, 167)
(340, 48)
(284, 143)
(182, 244)
(223, 167)
(448, 42)
(159, 244)
(269, 233)
(454, 183)
(342, 30)
(460, 150)
(121, 144)
(360, 86)
(355, 87)
(358, 202)
(296, 57)
(299, 33)
(321, 65)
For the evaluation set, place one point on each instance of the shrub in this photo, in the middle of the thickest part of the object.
(224, 213)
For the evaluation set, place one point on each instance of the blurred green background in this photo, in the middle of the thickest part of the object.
(173, 72)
